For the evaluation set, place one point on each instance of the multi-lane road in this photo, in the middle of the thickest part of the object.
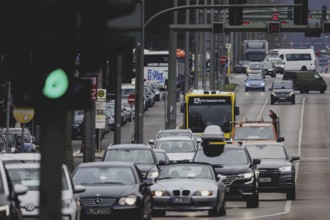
(306, 128)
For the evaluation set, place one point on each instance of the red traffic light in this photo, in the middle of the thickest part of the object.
(273, 27)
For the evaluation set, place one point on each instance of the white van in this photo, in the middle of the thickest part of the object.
(296, 59)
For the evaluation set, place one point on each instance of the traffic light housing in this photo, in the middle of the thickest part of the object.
(273, 27)
(235, 14)
(218, 27)
(301, 12)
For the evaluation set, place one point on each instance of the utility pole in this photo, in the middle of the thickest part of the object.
(187, 53)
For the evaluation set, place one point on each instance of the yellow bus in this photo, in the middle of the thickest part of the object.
(203, 108)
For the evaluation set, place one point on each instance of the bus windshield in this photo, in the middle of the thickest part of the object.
(201, 116)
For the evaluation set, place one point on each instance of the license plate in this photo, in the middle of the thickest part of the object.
(282, 98)
(265, 179)
(181, 200)
(98, 211)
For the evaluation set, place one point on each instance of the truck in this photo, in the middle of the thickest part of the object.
(255, 50)
(261, 130)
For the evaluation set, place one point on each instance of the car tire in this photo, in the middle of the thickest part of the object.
(253, 201)
(303, 89)
(272, 101)
(293, 101)
(322, 90)
(291, 194)
(263, 89)
(158, 213)
(246, 90)
(215, 211)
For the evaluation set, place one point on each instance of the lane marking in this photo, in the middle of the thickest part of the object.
(262, 110)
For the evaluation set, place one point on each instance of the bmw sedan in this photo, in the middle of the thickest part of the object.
(114, 190)
(239, 171)
(276, 170)
(188, 187)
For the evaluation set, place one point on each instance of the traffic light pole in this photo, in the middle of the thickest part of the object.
(52, 158)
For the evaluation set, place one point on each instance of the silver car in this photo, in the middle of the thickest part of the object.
(188, 187)
(28, 174)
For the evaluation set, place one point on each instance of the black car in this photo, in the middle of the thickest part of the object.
(114, 190)
(9, 202)
(140, 154)
(282, 91)
(239, 171)
(276, 170)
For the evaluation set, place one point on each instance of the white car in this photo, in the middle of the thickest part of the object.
(178, 148)
(28, 174)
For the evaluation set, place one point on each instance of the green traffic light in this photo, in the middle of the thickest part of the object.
(56, 84)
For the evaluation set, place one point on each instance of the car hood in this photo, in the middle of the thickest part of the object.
(233, 169)
(32, 196)
(181, 156)
(273, 163)
(172, 184)
(108, 190)
(283, 90)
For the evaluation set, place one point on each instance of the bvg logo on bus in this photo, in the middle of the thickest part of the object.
(197, 101)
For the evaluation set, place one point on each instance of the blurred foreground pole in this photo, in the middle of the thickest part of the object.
(52, 148)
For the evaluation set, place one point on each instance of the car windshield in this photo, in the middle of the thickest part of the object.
(130, 155)
(282, 85)
(174, 133)
(279, 61)
(255, 66)
(30, 177)
(255, 77)
(227, 157)
(190, 171)
(254, 133)
(160, 156)
(176, 146)
(267, 65)
(104, 175)
(266, 151)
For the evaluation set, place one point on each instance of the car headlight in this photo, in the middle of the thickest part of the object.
(152, 175)
(67, 203)
(270, 69)
(291, 93)
(262, 84)
(286, 169)
(159, 193)
(129, 200)
(247, 84)
(246, 175)
(273, 93)
(203, 193)
(4, 210)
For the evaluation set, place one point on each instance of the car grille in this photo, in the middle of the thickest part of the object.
(274, 174)
(181, 192)
(97, 201)
(282, 94)
(231, 179)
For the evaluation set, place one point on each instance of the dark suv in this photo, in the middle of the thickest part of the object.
(239, 172)
(282, 91)
(276, 170)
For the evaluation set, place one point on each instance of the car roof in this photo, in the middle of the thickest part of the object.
(229, 146)
(20, 156)
(253, 124)
(174, 138)
(106, 164)
(22, 165)
(262, 143)
(128, 146)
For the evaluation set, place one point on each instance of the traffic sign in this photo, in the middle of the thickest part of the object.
(101, 94)
(23, 115)
(131, 99)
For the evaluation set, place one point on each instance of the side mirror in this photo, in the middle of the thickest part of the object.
(295, 157)
(79, 189)
(151, 141)
(256, 161)
(236, 110)
(270, 89)
(161, 163)
(280, 139)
